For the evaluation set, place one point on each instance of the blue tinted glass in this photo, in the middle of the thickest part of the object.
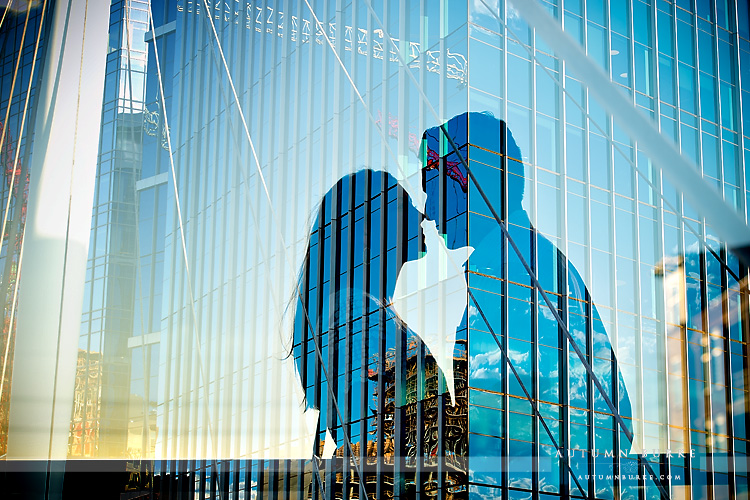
(706, 52)
(685, 40)
(618, 15)
(665, 33)
(595, 11)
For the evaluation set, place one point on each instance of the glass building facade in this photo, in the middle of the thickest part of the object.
(23, 38)
(405, 250)
(347, 92)
(114, 409)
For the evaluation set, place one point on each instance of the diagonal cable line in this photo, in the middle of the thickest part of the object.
(270, 282)
(194, 330)
(361, 99)
(318, 351)
(320, 481)
(559, 81)
(531, 400)
(245, 182)
(525, 264)
(199, 355)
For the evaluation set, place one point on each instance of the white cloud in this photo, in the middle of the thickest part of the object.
(485, 373)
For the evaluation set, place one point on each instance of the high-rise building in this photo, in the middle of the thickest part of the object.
(121, 318)
(626, 338)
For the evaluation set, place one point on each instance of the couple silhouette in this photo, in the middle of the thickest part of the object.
(409, 268)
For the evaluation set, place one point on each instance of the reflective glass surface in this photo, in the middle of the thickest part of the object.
(391, 249)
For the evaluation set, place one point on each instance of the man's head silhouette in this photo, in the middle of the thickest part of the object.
(479, 130)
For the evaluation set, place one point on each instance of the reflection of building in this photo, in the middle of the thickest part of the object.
(16, 187)
(84, 425)
(423, 426)
(121, 317)
(108, 311)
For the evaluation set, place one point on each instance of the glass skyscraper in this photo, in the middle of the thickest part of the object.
(23, 38)
(415, 249)
(634, 274)
(115, 408)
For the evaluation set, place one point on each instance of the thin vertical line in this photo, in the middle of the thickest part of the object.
(5, 13)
